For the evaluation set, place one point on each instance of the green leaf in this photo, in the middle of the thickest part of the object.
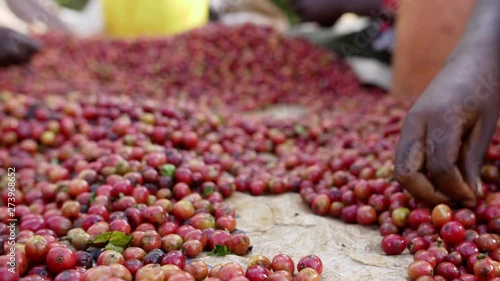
(270, 164)
(103, 238)
(219, 251)
(167, 170)
(117, 238)
(207, 191)
(120, 239)
(222, 120)
(114, 248)
(62, 187)
(300, 130)
(92, 197)
(41, 148)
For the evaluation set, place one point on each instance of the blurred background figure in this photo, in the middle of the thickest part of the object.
(361, 31)
(411, 39)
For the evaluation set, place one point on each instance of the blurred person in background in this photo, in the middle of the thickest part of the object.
(450, 54)
(375, 40)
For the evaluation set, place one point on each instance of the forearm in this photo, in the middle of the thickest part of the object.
(482, 35)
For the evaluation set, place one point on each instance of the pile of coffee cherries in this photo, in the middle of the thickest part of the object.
(246, 67)
(119, 154)
(135, 194)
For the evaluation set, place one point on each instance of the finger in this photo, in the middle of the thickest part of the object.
(28, 44)
(19, 55)
(474, 149)
(21, 47)
(442, 157)
(409, 162)
(34, 45)
(30, 49)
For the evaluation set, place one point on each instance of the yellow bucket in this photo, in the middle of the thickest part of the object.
(129, 18)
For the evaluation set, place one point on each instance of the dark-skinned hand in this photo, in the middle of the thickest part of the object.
(16, 48)
(447, 132)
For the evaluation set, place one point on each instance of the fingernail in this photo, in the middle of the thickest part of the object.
(479, 190)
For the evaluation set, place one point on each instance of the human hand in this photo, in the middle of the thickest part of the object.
(16, 48)
(447, 133)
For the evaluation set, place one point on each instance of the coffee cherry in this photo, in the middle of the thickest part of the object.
(420, 268)
(308, 274)
(448, 270)
(59, 259)
(310, 261)
(257, 273)
(427, 256)
(484, 270)
(393, 244)
(441, 214)
(452, 232)
(282, 262)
